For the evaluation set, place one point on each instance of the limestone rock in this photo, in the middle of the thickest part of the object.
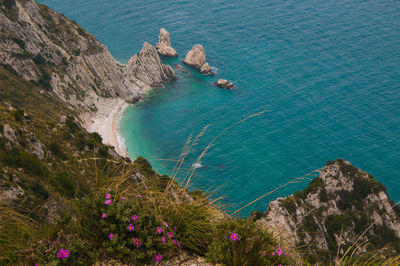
(147, 67)
(342, 195)
(85, 62)
(164, 44)
(223, 83)
(206, 69)
(196, 57)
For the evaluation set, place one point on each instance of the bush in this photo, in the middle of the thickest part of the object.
(18, 115)
(252, 247)
(20, 43)
(67, 185)
(71, 124)
(39, 60)
(9, 3)
(112, 233)
(57, 151)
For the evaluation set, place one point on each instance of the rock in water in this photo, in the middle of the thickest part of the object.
(206, 69)
(223, 83)
(164, 44)
(197, 58)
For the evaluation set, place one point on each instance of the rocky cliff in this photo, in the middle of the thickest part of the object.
(334, 211)
(45, 47)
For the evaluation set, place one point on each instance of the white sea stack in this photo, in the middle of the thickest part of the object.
(164, 44)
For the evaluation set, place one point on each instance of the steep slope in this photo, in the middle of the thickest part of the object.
(341, 197)
(44, 46)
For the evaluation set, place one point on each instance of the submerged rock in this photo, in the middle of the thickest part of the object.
(223, 83)
(164, 44)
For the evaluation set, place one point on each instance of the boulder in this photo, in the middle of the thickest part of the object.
(164, 44)
(206, 69)
(223, 83)
(196, 57)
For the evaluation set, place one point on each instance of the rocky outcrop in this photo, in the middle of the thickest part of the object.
(205, 69)
(342, 196)
(223, 83)
(164, 44)
(148, 68)
(44, 46)
(197, 58)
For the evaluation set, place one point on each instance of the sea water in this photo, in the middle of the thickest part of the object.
(326, 72)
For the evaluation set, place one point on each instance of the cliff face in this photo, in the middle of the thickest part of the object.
(53, 51)
(342, 196)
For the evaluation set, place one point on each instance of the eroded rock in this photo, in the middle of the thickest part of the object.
(225, 84)
(164, 44)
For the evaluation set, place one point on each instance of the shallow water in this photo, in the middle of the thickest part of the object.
(326, 71)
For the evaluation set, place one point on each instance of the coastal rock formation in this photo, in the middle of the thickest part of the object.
(342, 196)
(164, 44)
(223, 83)
(197, 58)
(44, 46)
(206, 69)
(148, 68)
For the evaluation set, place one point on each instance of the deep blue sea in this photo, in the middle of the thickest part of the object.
(327, 71)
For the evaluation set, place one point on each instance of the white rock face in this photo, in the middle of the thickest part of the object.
(197, 58)
(205, 69)
(164, 44)
(86, 76)
(341, 195)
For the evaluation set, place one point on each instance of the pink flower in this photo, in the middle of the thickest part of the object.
(176, 242)
(174, 228)
(159, 230)
(163, 239)
(157, 258)
(131, 227)
(165, 224)
(62, 253)
(107, 202)
(273, 253)
(139, 196)
(66, 253)
(136, 242)
(123, 198)
(234, 237)
(170, 235)
(134, 217)
(108, 196)
(110, 236)
(104, 215)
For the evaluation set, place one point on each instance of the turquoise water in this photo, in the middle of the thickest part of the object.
(328, 72)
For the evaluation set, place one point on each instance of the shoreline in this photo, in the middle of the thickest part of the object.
(106, 123)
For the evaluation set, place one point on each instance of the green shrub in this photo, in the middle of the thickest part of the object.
(67, 186)
(253, 246)
(39, 190)
(31, 163)
(39, 60)
(9, 3)
(57, 151)
(18, 115)
(81, 31)
(119, 216)
(20, 43)
(71, 124)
